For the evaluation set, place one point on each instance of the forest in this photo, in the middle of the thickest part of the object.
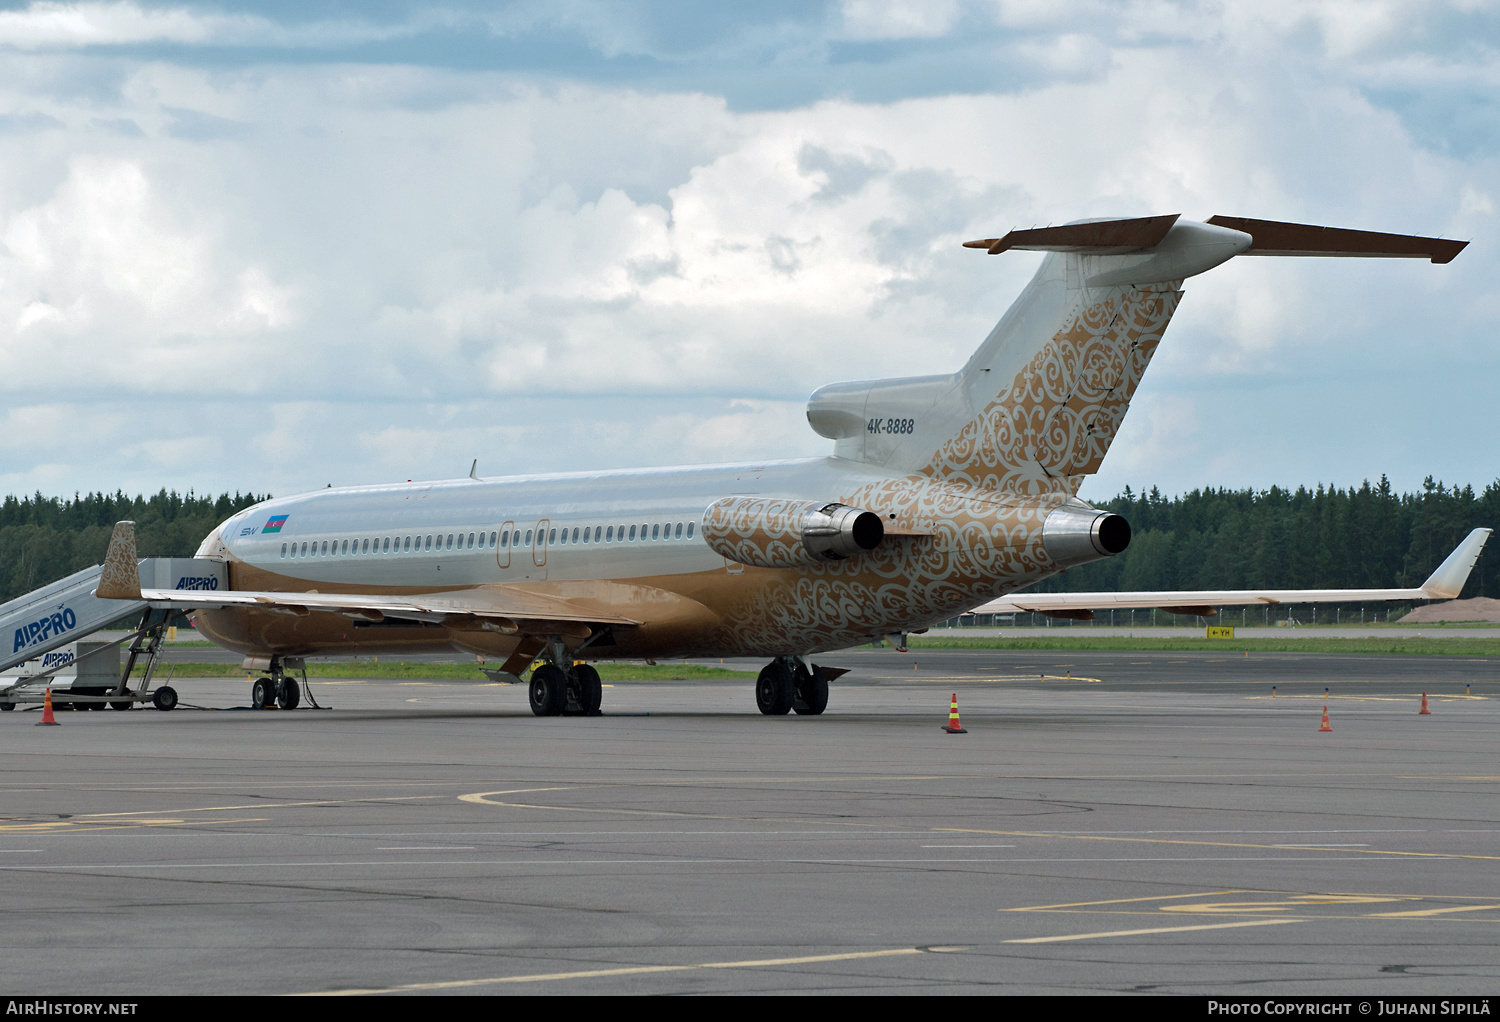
(44, 538)
(1326, 537)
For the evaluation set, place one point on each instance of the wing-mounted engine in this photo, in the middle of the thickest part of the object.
(768, 533)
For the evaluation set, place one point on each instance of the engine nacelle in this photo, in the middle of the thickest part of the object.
(770, 533)
(1076, 535)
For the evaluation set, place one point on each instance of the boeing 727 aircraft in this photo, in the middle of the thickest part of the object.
(942, 492)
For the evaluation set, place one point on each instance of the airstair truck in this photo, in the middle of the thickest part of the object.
(84, 671)
(48, 625)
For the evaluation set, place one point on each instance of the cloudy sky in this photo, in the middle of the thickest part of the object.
(269, 246)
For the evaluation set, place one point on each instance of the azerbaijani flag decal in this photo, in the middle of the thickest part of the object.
(274, 523)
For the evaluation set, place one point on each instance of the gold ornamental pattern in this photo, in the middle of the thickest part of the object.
(1055, 422)
(979, 545)
(766, 533)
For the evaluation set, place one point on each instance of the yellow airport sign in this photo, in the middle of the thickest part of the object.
(1220, 631)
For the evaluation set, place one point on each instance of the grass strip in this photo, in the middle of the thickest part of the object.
(1393, 646)
(461, 671)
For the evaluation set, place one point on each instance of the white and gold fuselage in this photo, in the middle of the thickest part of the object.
(943, 492)
(621, 545)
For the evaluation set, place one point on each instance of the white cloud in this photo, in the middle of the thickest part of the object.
(1472, 200)
(48, 25)
(1160, 429)
(898, 19)
(374, 264)
(107, 275)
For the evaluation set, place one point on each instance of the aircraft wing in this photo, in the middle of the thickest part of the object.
(507, 610)
(1444, 584)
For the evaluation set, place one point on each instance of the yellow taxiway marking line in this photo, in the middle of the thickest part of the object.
(1430, 912)
(1129, 901)
(1298, 903)
(1156, 929)
(1209, 844)
(1020, 677)
(257, 805)
(629, 970)
(275, 785)
(1364, 699)
(483, 797)
(69, 827)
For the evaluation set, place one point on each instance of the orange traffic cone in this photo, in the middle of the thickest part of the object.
(47, 717)
(1326, 726)
(953, 727)
(1424, 708)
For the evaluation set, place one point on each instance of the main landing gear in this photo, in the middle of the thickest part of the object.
(787, 683)
(276, 691)
(560, 687)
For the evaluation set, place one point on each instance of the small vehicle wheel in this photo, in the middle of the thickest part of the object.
(7, 707)
(164, 698)
(774, 690)
(548, 690)
(122, 704)
(291, 694)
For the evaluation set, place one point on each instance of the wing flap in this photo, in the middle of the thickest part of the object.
(490, 608)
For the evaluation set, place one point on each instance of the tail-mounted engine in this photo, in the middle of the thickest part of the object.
(789, 533)
(1078, 534)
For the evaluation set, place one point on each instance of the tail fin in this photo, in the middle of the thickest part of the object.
(121, 577)
(1037, 406)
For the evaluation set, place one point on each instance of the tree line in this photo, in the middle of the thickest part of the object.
(43, 539)
(1365, 537)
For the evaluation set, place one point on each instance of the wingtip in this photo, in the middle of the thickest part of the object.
(1447, 582)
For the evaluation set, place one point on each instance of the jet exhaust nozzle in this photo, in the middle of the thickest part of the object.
(1076, 535)
(836, 531)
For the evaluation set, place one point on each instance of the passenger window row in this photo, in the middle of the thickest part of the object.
(458, 541)
(617, 533)
(390, 544)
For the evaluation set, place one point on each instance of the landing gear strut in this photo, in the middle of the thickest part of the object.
(560, 687)
(787, 683)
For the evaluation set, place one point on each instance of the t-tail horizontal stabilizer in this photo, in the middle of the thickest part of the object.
(1275, 238)
(1099, 237)
(1268, 238)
